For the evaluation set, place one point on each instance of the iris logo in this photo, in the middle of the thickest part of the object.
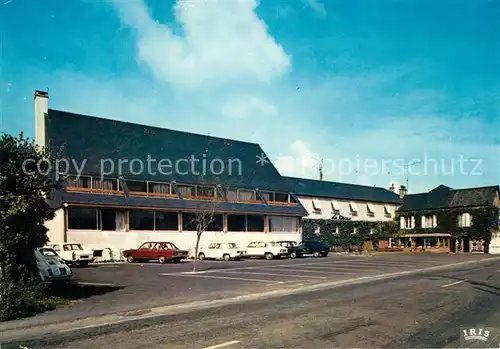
(476, 334)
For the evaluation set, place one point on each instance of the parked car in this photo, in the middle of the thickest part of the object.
(51, 267)
(222, 250)
(315, 247)
(294, 249)
(265, 250)
(160, 251)
(72, 253)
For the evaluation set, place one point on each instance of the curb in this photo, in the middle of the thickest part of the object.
(27, 332)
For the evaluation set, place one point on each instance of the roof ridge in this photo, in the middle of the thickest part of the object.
(343, 183)
(476, 188)
(151, 126)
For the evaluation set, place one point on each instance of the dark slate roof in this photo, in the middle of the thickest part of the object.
(345, 191)
(85, 137)
(444, 197)
(174, 204)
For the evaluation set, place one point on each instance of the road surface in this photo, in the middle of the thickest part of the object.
(421, 311)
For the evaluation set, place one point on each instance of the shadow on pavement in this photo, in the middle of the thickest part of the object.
(71, 291)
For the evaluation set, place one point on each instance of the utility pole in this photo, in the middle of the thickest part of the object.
(321, 169)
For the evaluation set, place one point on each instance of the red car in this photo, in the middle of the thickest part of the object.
(160, 251)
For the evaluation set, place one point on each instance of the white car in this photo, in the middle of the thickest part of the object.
(222, 250)
(72, 253)
(265, 250)
(51, 266)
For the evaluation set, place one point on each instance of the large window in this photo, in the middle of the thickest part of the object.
(108, 219)
(78, 182)
(142, 220)
(236, 222)
(166, 220)
(255, 223)
(153, 220)
(190, 222)
(161, 188)
(281, 197)
(246, 194)
(250, 223)
(217, 224)
(83, 218)
(140, 187)
(186, 190)
(283, 224)
(232, 194)
(104, 184)
(205, 191)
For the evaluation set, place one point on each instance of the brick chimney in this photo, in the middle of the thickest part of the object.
(41, 109)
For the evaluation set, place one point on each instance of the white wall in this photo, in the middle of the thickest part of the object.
(56, 226)
(495, 244)
(118, 241)
(327, 213)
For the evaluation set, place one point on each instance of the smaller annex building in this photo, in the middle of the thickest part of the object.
(127, 184)
(455, 220)
(334, 200)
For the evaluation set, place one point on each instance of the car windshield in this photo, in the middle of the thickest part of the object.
(232, 245)
(47, 252)
(73, 247)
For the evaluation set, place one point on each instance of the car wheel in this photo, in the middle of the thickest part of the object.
(130, 258)
(226, 257)
(269, 256)
(316, 254)
(201, 256)
(162, 259)
(293, 255)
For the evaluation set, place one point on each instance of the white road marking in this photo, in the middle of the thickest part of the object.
(222, 345)
(319, 271)
(93, 284)
(222, 277)
(274, 274)
(335, 267)
(454, 283)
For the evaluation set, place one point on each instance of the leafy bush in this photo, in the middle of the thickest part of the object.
(23, 210)
(339, 234)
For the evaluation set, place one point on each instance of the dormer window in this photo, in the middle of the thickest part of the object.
(387, 211)
(370, 210)
(335, 207)
(316, 206)
(354, 208)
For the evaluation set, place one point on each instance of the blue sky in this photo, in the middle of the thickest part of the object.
(353, 82)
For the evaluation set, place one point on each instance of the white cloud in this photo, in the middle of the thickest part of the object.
(245, 106)
(223, 41)
(317, 6)
(303, 162)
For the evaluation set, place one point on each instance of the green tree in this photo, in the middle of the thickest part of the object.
(24, 189)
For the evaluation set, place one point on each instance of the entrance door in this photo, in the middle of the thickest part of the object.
(453, 245)
(466, 242)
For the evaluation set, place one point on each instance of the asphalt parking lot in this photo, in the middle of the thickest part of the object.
(127, 288)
